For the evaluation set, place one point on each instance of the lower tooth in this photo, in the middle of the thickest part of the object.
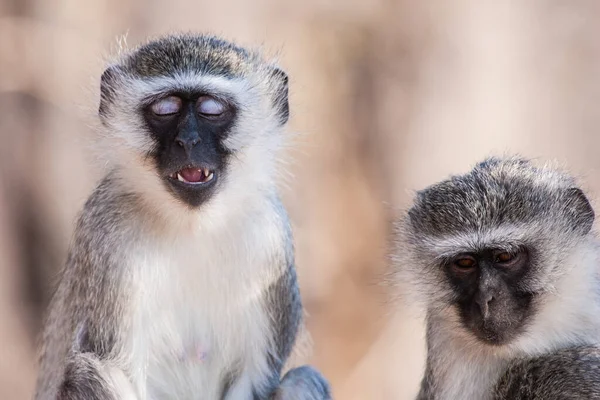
(209, 177)
(180, 178)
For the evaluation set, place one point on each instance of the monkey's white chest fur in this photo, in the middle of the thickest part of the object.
(471, 380)
(199, 316)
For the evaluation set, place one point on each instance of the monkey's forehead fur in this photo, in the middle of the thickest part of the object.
(496, 192)
(199, 53)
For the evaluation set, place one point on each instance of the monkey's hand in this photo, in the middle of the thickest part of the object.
(303, 383)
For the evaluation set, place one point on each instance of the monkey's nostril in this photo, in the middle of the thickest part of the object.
(187, 143)
(483, 301)
(484, 310)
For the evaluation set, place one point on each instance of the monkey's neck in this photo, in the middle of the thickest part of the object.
(458, 368)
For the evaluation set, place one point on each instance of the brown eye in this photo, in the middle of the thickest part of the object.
(514, 259)
(210, 106)
(168, 106)
(504, 257)
(465, 263)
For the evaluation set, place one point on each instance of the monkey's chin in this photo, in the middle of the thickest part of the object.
(492, 337)
(191, 193)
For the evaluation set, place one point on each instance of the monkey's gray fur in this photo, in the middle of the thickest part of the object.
(505, 264)
(566, 374)
(180, 281)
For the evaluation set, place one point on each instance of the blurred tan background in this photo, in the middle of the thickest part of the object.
(386, 97)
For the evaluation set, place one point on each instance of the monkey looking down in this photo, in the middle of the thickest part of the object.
(180, 281)
(507, 267)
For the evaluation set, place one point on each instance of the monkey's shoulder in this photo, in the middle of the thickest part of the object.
(108, 205)
(572, 373)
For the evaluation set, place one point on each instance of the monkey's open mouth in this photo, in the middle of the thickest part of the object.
(194, 184)
(193, 175)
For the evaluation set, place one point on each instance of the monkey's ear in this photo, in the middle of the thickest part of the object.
(280, 90)
(581, 209)
(107, 88)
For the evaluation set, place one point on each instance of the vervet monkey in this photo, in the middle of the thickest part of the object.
(180, 281)
(505, 263)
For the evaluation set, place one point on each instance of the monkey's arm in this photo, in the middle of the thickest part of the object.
(284, 304)
(83, 334)
(89, 378)
(81, 359)
(426, 391)
(567, 374)
(80, 362)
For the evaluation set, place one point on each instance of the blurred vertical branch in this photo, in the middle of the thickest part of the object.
(20, 303)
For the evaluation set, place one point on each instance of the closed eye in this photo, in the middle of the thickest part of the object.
(210, 107)
(168, 106)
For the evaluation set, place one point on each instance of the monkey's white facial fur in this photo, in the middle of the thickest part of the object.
(192, 114)
(488, 248)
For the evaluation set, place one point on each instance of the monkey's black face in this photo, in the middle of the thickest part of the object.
(489, 301)
(189, 129)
